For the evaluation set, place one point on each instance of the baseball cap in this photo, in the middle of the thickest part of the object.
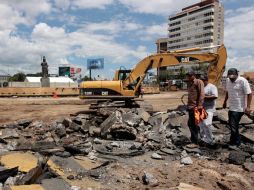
(204, 77)
(232, 72)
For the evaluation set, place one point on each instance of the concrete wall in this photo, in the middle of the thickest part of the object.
(38, 84)
(9, 91)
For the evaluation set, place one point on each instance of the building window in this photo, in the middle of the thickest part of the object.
(175, 29)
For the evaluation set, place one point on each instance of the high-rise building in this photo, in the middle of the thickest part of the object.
(198, 25)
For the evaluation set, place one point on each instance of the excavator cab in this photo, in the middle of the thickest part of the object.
(122, 74)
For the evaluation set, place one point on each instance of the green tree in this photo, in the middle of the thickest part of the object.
(182, 73)
(86, 78)
(18, 77)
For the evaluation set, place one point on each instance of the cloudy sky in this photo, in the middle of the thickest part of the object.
(68, 32)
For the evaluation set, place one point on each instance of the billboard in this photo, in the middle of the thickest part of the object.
(64, 71)
(95, 63)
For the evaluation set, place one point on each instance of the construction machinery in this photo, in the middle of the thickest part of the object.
(126, 83)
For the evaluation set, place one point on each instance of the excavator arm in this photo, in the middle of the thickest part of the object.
(216, 62)
(127, 88)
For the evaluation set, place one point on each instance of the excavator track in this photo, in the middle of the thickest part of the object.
(138, 103)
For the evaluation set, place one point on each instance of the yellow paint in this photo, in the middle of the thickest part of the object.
(55, 168)
(87, 163)
(27, 187)
(25, 161)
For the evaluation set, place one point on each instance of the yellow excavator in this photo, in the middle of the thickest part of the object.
(126, 83)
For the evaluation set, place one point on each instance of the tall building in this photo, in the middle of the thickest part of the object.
(198, 25)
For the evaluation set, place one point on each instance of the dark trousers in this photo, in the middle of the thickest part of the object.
(234, 119)
(194, 129)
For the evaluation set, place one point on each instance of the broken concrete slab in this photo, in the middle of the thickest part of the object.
(131, 119)
(6, 173)
(24, 123)
(114, 118)
(56, 184)
(222, 115)
(249, 166)
(25, 161)
(247, 135)
(237, 157)
(27, 187)
(143, 114)
(9, 134)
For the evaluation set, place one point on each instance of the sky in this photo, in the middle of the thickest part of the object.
(68, 32)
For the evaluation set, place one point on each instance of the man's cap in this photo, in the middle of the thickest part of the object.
(232, 72)
(204, 77)
(190, 73)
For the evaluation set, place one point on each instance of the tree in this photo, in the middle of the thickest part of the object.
(86, 78)
(182, 73)
(18, 77)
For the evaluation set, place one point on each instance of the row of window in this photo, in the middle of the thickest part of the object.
(189, 38)
(175, 35)
(209, 14)
(175, 29)
(208, 20)
(175, 23)
(192, 44)
(204, 35)
(208, 27)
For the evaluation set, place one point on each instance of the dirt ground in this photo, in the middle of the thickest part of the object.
(204, 173)
(47, 109)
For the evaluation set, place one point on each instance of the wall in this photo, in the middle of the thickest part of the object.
(38, 84)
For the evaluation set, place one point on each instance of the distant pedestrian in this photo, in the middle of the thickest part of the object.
(142, 91)
(211, 94)
(195, 101)
(237, 91)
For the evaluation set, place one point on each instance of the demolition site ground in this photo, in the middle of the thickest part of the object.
(48, 143)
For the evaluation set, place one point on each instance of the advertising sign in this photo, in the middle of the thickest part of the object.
(64, 71)
(95, 63)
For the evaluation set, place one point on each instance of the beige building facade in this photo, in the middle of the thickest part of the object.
(198, 25)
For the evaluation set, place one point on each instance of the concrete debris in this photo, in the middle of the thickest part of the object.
(111, 133)
(149, 179)
(237, 157)
(156, 156)
(7, 173)
(186, 161)
(249, 166)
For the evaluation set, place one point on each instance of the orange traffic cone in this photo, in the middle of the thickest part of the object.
(55, 95)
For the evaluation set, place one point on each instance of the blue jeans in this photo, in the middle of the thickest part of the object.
(234, 120)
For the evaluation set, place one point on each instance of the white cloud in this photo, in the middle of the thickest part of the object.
(62, 4)
(57, 45)
(85, 4)
(158, 7)
(28, 9)
(9, 17)
(239, 27)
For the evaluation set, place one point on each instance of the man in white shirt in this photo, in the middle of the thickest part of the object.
(238, 90)
(211, 94)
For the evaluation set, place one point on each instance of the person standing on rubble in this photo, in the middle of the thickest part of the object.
(211, 94)
(237, 91)
(195, 100)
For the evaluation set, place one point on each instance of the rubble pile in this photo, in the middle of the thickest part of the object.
(118, 132)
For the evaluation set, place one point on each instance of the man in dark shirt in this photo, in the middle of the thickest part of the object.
(195, 99)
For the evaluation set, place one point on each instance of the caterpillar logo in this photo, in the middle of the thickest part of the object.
(104, 93)
(185, 59)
